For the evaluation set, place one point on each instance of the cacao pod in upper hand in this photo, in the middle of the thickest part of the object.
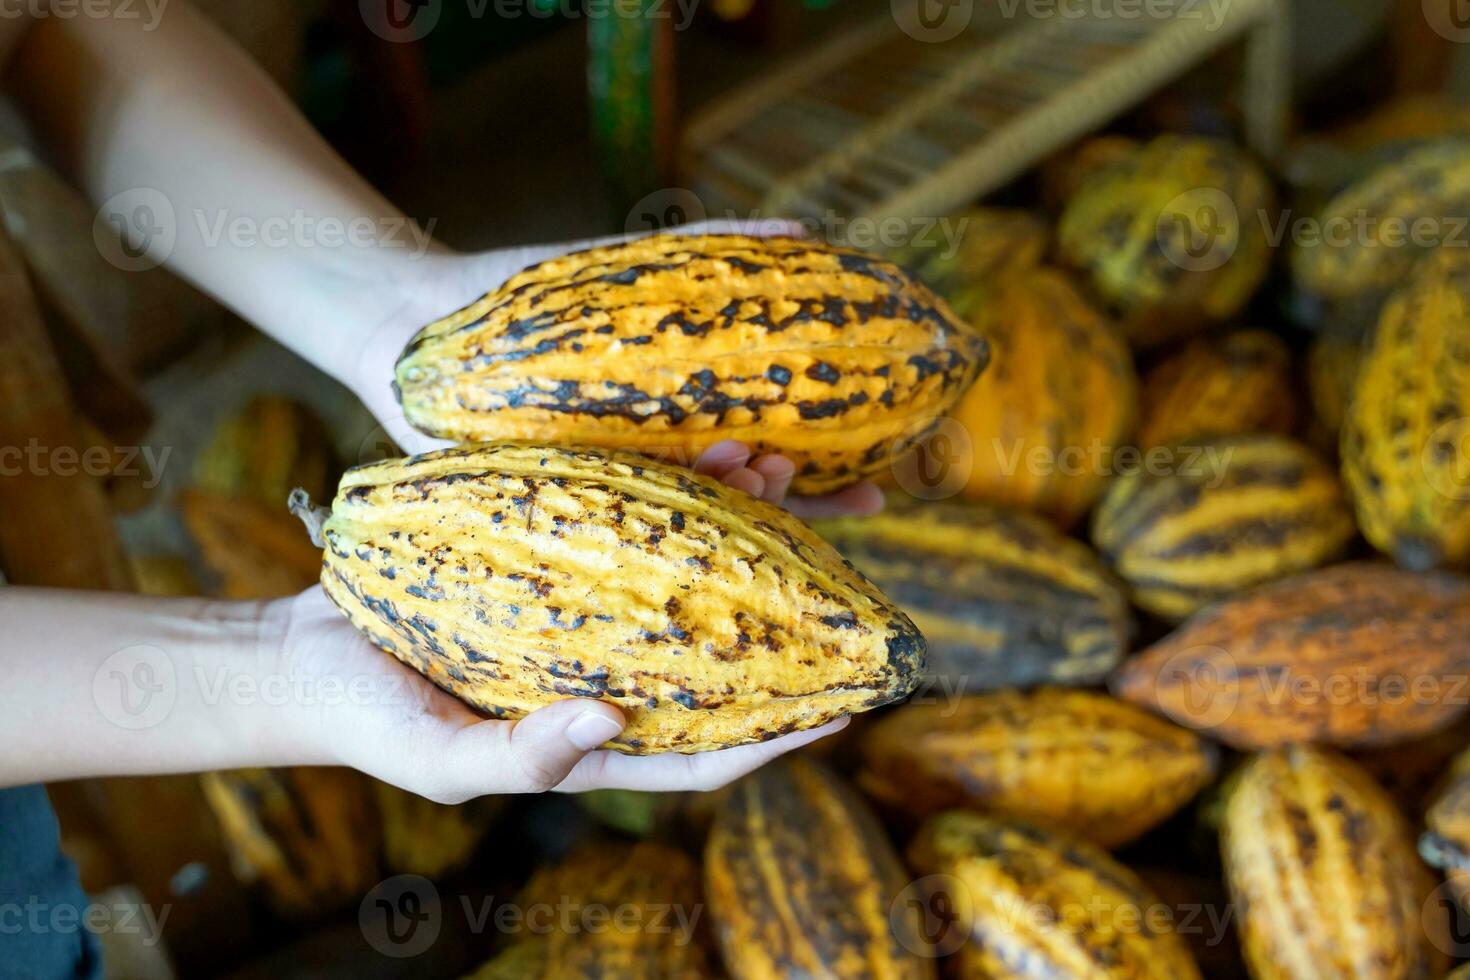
(1172, 236)
(1240, 382)
(1060, 395)
(1002, 597)
(609, 909)
(1078, 761)
(1322, 871)
(1028, 902)
(1351, 654)
(801, 881)
(1406, 437)
(1220, 517)
(513, 576)
(668, 344)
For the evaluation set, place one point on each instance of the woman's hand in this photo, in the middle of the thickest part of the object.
(400, 728)
(440, 283)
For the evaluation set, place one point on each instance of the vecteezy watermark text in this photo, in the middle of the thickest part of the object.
(37, 459)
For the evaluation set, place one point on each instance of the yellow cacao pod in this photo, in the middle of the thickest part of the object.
(1240, 382)
(1002, 597)
(1445, 843)
(1061, 174)
(1077, 761)
(801, 881)
(1352, 654)
(1376, 229)
(1221, 517)
(1406, 438)
(307, 837)
(271, 447)
(431, 839)
(668, 344)
(608, 910)
(513, 576)
(1323, 875)
(1027, 902)
(1171, 237)
(1058, 397)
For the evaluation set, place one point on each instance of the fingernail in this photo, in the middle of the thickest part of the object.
(590, 729)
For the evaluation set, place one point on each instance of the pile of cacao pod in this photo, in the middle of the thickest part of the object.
(1166, 665)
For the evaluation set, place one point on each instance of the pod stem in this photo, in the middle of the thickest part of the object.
(314, 517)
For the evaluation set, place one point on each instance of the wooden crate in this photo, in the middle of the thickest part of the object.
(882, 123)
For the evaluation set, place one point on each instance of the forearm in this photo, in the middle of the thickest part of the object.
(265, 215)
(95, 684)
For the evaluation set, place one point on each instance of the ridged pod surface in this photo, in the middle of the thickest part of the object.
(1059, 396)
(1406, 438)
(1322, 873)
(1002, 597)
(307, 837)
(513, 576)
(1354, 256)
(668, 344)
(647, 926)
(1352, 654)
(1077, 761)
(801, 881)
(1171, 236)
(1240, 382)
(1445, 843)
(1033, 903)
(1219, 518)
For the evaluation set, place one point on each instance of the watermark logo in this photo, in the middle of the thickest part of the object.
(1446, 922)
(1450, 19)
(1199, 230)
(1445, 460)
(940, 462)
(932, 21)
(401, 916)
(136, 229)
(401, 21)
(148, 11)
(136, 687)
(927, 918)
(1203, 686)
(665, 208)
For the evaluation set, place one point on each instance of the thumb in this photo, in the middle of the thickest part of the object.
(536, 753)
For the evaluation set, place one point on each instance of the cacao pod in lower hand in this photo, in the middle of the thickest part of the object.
(1060, 395)
(308, 837)
(1322, 873)
(1218, 386)
(1029, 902)
(513, 576)
(801, 881)
(1002, 597)
(1406, 437)
(609, 910)
(1078, 761)
(670, 343)
(1352, 654)
(1219, 517)
(1136, 228)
